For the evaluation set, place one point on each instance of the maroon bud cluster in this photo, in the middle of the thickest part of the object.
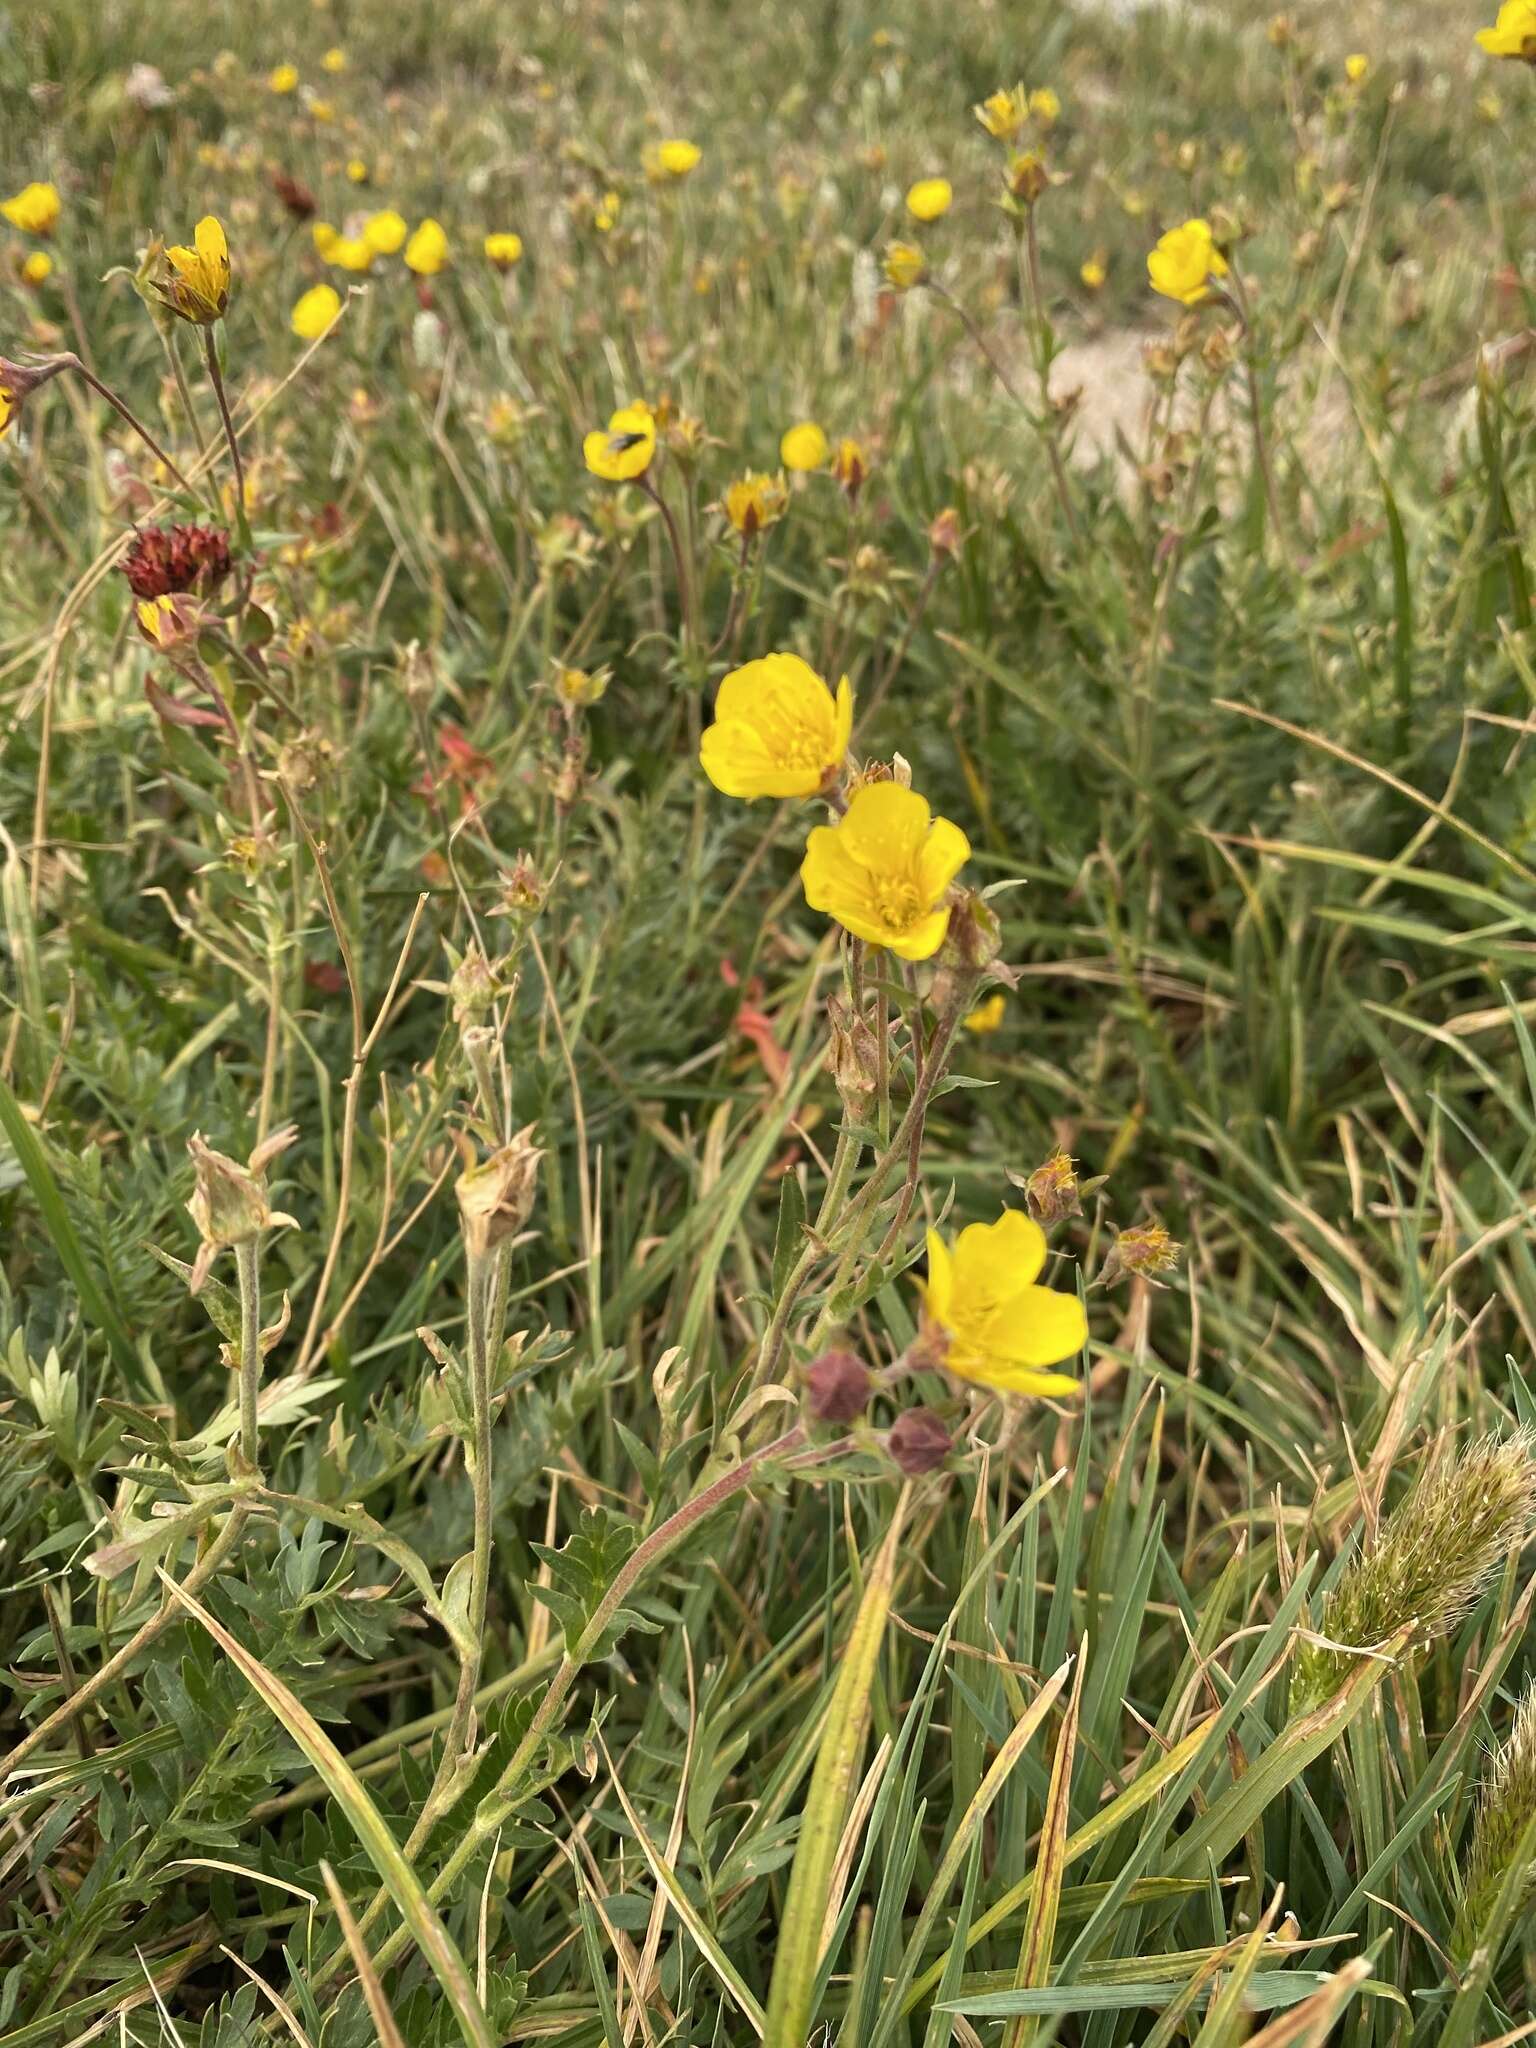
(167, 561)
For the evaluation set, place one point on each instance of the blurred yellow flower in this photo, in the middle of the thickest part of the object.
(8, 408)
(625, 448)
(34, 209)
(987, 1017)
(997, 1327)
(904, 266)
(1356, 67)
(322, 110)
(778, 731)
(1093, 273)
(503, 250)
(357, 170)
(929, 198)
(350, 252)
(315, 311)
(282, 78)
(884, 870)
(755, 501)
(38, 268)
(334, 61)
(804, 447)
(196, 284)
(1513, 33)
(1002, 113)
(1184, 262)
(385, 232)
(1045, 105)
(427, 251)
(674, 159)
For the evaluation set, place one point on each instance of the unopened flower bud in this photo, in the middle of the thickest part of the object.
(473, 987)
(838, 1386)
(496, 1197)
(1028, 176)
(918, 1442)
(1145, 1250)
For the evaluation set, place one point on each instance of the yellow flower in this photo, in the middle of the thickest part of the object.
(905, 266)
(804, 447)
(1093, 273)
(625, 449)
(384, 232)
(1045, 106)
(325, 238)
(504, 250)
(315, 311)
(8, 408)
(999, 1328)
(334, 61)
(196, 286)
(357, 170)
(350, 252)
(929, 198)
(1355, 67)
(1002, 113)
(988, 1016)
(282, 78)
(755, 501)
(427, 251)
(1184, 262)
(778, 731)
(321, 110)
(673, 159)
(35, 209)
(884, 869)
(607, 216)
(167, 621)
(38, 268)
(1512, 35)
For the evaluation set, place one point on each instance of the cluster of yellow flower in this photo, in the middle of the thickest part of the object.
(34, 210)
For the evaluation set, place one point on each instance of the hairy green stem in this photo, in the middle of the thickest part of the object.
(248, 1268)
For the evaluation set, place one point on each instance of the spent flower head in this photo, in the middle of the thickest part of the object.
(919, 1442)
(229, 1201)
(496, 1196)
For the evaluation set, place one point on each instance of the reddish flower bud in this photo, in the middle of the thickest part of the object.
(918, 1442)
(838, 1386)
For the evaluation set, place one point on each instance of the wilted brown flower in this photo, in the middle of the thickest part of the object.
(165, 561)
(298, 199)
(1145, 1250)
(496, 1197)
(853, 1055)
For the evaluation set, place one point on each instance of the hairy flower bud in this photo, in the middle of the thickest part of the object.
(496, 1197)
(918, 1442)
(838, 1386)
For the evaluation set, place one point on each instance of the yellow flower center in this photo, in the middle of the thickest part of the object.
(897, 901)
